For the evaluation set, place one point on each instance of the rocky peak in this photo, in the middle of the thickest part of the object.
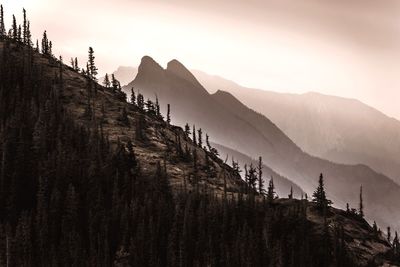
(177, 68)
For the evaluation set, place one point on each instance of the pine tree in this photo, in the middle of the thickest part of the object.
(187, 130)
(194, 138)
(319, 195)
(116, 84)
(168, 114)
(157, 107)
(291, 193)
(2, 25)
(200, 137)
(92, 67)
(14, 29)
(76, 67)
(271, 190)
(106, 81)
(133, 97)
(389, 235)
(361, 208)
(45, 44)
(261, 189)
(25, 28)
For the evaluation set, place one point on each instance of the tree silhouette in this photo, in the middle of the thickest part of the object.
(271, 190)
(361, 208)
(261, 189)
(92, 67)
(2, 25)
(168, 114)
(319, 195)
(106, 81)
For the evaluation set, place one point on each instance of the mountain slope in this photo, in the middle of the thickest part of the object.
(81, 186)
(338, 129)
(233, 125)
(281, 184)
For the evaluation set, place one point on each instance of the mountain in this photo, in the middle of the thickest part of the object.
(338, 129)
(233, 125)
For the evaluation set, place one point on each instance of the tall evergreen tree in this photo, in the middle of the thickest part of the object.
(261, 189)
(25, 28)
(168, 114)
(187, 130)
(106, 81)
(92, 67)
(200, 137)
(361, 208)
(2, 25)
(14, 29)
(319, 195)
(194, 138)
(271, 190)
(76, 64)
(45, 44)
(133, 96)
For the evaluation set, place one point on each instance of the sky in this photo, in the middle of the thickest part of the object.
(348, 48)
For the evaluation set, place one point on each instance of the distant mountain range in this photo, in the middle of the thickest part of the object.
(235, 126)
(338, 129)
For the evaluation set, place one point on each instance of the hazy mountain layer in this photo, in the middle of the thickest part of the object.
(338, 129)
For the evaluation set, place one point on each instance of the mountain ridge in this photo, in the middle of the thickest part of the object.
(236, 127)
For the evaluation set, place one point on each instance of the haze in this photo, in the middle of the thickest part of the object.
(347, 48)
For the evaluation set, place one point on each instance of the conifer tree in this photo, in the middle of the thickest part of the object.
(291, 193)
(319, 195)
(133, 97)
(168, 114)
(157, 107)
(92, 67)
(14, 29)
(45, 44)
(140, 102)
(29, 35)
(19, 38)
(106, 81)
(187, 130)
(271, 190)
(194, 138)
(116, 84)
(261, 189)
(50, 48)
(76, 64)
(200, 137)
(2, 25)
(361, 208)
(25, 28)
(389, 235)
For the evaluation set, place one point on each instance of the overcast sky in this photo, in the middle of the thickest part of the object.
(348, 48)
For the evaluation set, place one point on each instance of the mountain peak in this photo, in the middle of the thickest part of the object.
(178, 69)
(148, 63)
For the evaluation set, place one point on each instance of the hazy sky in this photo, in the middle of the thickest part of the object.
(348, 48)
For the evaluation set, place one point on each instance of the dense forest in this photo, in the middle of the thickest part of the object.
(70, 198)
